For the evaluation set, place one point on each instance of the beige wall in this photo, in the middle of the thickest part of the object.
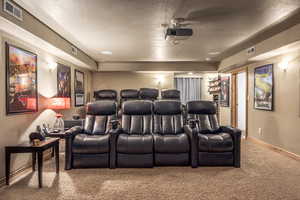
(16, 128)
(280, 127)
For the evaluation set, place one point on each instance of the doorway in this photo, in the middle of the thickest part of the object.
(239, 100)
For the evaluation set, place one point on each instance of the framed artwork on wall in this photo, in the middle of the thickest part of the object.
(264, 88)
(224, 93)
(63, 81)
(21, 80)
(79, 88)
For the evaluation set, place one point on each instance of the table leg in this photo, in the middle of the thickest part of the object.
(40, 168)
(52, 152)
(7, 166)
(33, 160)
(57, 157)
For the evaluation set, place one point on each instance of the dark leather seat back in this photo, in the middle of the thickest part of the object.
(171, 94)
(205, 112)
(128, 94)
(137, 117)
(168, 117)
(149, 94)
(98, 116)
(105, 95)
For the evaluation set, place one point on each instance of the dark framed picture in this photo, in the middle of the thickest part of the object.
(79, 99)
(224, 93)
(79, 82)
(79, 88)
(63, 81)
(264, 87)
(21, 80)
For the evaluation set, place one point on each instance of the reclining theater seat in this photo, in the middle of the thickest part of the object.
(128, 95)
(149, 94)
(170, 94)
(105, 95)
(135, 141)
(171, 143)
(211, 144)
(89, 146)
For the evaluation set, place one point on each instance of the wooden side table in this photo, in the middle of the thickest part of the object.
(35, 150)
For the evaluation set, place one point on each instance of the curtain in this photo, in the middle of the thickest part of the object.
(190, 88)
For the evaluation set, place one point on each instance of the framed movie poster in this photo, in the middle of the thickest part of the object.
(79, 88)
(63, 81)
(264, 87)
(225, 87)
(79, 81)
(21, 80)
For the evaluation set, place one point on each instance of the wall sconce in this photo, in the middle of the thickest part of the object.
(160, 80)
(52, 66)
(284, 64)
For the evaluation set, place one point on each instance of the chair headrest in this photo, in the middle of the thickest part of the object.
(148, 93)
(101, 108)
(167, 107)
(129, 94)
(201, 107)
(170, 94)
(137, 107)
(105, 94)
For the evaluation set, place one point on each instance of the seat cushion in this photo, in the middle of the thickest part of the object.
(90, 144)
(220, 142)
(135, 144)
(178, 143)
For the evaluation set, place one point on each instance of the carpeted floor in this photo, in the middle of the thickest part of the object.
(264, 175)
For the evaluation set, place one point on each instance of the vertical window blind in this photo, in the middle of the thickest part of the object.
(190, 88)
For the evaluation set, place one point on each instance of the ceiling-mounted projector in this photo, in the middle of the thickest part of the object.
(178, 33)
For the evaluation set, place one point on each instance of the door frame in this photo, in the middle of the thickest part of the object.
(234, 94)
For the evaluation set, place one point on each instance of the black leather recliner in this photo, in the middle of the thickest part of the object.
(105, 95)
(170, 94)
(92, 145)
(149, 94)
(128, 95)
(135, 139)
(171, 143)
(211, 145)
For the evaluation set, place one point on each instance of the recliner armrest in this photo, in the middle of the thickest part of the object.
(236, 136)
(232, 131)
(192, 133)
(114, 133)
(73, 131)
(69, 135)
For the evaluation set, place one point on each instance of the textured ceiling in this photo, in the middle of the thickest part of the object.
(132, 29)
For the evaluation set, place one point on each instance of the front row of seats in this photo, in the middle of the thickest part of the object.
(151, 134)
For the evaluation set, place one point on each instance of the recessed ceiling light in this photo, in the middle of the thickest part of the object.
(214, 53)
(106, 52)
(190, 73)
(207, 59)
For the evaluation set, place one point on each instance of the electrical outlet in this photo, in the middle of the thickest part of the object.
(260, 131)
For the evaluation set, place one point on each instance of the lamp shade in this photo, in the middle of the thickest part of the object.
(59, 103)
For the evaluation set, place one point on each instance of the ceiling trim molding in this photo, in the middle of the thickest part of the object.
(183, 66)
(283, 24)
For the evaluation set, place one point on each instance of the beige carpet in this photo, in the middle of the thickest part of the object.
(265, 175)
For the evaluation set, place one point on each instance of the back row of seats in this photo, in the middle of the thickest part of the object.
(133, 94)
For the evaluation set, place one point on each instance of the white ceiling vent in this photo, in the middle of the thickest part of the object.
(74, 50)
(13, 9)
